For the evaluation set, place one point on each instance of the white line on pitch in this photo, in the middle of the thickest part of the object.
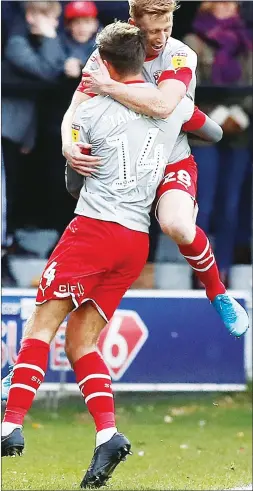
(245, 488)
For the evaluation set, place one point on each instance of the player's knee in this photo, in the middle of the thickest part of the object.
(83, 331)
(74, 350)
(179, 230)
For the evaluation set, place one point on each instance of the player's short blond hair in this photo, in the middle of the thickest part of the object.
(138, 8)
(43, 7)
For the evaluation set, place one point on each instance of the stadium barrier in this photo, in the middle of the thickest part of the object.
(157, 340)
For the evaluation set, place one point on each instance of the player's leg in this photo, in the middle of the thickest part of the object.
(130, 250)
(94, 381)
(74, 267)
(177, 217)
(176, 212)
(47, 286)
(66, 281)
(84, 327)
(29, 370)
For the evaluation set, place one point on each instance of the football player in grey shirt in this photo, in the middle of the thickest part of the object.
(171, 65)
(100, 254)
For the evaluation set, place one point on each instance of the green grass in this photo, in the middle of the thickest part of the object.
(207, 445)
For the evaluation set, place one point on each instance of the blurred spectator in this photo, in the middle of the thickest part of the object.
(222, 43)
(225, 59)
(77, 41)
(79, 37)
(31, 58)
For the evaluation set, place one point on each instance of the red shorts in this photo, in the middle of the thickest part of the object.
(182, 175)
(94, 260)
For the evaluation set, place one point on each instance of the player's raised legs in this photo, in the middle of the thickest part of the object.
(177, 214)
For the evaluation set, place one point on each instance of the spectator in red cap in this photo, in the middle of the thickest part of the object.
(79, 37)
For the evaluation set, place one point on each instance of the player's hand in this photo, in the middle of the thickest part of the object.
(97, 81)
(80, 161)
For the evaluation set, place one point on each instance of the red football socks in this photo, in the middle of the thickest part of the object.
(200, 257)
(94, 381)
(29, 372)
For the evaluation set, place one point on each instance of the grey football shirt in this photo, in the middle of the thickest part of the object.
(175, 55)
(134, 150)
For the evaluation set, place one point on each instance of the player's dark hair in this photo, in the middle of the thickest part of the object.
(124, 46)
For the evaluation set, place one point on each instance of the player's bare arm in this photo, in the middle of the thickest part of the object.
(149, 101)
(155, 102)
(200, 124)
(155, 21)
(82, 163)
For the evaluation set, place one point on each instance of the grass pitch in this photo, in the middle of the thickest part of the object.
(179, 443)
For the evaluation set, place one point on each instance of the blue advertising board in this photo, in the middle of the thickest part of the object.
(156, 340)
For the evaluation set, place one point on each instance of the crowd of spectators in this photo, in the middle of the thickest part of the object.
(45, 44)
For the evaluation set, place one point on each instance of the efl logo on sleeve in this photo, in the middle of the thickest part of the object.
(121, 341)
(75, 133)
(179, 61)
